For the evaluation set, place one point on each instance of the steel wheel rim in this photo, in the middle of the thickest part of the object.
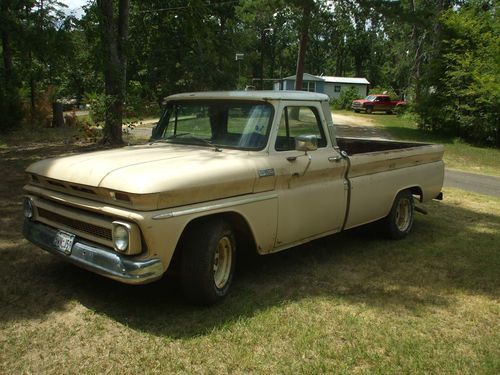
(222, 262)
(403, 215)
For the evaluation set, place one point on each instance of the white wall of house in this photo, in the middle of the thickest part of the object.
(333, 89)
(332, 86)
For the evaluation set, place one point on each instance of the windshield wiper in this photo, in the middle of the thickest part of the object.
(179, 138)
(168, 139)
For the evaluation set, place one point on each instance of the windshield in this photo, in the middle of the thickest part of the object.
(231, 124)
(371, 98)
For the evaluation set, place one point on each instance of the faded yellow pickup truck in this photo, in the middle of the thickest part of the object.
(224, 172)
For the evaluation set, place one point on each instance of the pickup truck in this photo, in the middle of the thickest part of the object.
(223, 173)
(376, 103)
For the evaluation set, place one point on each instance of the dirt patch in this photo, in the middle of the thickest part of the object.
(357, 127)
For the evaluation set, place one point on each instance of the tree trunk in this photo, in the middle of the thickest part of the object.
(10, 103)
(304, 37)
(123, 16)
(114, 58)
(57, 115)
(7, 50)
(32, 86)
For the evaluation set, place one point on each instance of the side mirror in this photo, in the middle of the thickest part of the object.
(306, 143)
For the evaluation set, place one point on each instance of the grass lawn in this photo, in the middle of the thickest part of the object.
(349, 304)
(458, 154)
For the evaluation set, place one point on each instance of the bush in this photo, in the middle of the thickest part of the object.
(137, 106)
(345, 99)
(463, 96)
(98, 104)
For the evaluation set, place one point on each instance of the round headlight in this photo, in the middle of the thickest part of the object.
(28, 208)
(120, 237)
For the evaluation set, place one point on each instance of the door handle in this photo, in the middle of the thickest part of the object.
(336, 159)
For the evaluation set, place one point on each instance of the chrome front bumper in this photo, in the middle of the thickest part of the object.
(96, 258)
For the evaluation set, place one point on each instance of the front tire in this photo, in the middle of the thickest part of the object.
(208, 261)
(399, 223)
(369, 110)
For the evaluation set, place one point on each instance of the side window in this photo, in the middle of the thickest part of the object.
(297, 121)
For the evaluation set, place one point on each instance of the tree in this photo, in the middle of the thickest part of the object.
(464, 99)
(114, 44)
(10, 104)
(307, 7)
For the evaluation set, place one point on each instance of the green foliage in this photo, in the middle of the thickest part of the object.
(345, 99)
(137, 105)
(441, 55)
(381, 90)
(98, 104)
(464, 96)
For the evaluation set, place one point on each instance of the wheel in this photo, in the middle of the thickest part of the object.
(369, 110)
(208, 260)
(357, 110)
(399, 223)
(389, 112)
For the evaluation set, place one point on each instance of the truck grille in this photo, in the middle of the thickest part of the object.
(81, 226)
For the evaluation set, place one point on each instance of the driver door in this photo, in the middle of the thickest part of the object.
(311, 190)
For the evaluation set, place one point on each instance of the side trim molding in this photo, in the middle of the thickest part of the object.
(214, 206)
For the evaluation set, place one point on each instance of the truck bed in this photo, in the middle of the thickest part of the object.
(378, 169)
(355, 146)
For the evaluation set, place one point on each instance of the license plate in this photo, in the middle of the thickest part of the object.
(64, 241)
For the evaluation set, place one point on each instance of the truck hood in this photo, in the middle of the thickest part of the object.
(361, 101)
(182, 174)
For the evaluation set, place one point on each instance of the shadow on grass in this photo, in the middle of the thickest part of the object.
(447, 253)
(355, 267)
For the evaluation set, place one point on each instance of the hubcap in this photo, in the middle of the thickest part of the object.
(403, 215)
(222, 262)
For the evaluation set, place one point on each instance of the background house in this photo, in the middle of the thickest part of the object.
(332, 86)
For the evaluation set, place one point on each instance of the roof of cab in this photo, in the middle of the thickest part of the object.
(251, 95)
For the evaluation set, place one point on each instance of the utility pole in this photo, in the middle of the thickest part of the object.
(262, 35)
(238, 57)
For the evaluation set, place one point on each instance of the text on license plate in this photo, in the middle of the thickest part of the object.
(64, 241)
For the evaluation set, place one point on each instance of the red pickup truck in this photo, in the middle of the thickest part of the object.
(376, 103)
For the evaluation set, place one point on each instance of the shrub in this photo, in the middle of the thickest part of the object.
(345, 99)
(98, 104)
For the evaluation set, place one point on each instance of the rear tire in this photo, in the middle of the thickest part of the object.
(399, 223)
(369, 110)
(208, 261)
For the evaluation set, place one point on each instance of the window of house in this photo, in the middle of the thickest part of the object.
(297, 121)
(309, 86)
(336, 88)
